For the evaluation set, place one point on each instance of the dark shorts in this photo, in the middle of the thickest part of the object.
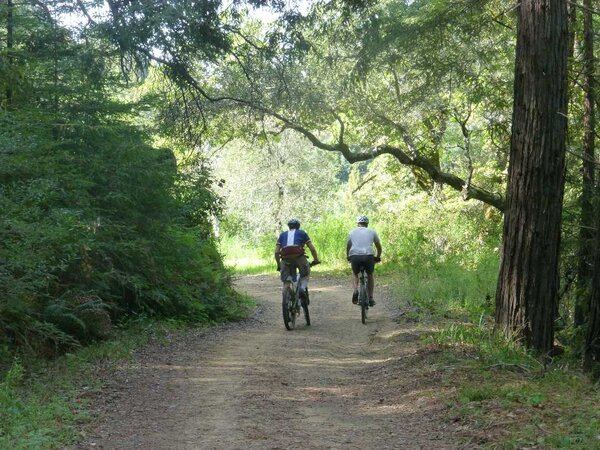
(366, 261)
(289, 266)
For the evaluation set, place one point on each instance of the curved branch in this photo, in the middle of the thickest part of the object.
(473, 192)
(342, 127)
(414, 160)
(245, 38)
(85, 12)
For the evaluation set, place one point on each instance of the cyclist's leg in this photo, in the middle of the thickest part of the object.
(355, 281)
(371, 278)
(304, 269)
(370, 269)
(356, 263)
(286, 272)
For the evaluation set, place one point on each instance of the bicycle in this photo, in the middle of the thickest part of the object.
(292, 301)
(363, 297)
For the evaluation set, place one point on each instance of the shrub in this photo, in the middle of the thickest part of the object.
(97, 226)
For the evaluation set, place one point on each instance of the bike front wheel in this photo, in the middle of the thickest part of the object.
(288, 308)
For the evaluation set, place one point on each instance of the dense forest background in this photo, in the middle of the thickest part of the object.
(141, 142)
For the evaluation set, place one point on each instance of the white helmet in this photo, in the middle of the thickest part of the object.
(362, 219)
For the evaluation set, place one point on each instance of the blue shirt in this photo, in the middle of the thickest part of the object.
(293, 237)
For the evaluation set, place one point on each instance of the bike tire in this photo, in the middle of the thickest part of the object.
(364, 303)
(306, 312)
(288, 310)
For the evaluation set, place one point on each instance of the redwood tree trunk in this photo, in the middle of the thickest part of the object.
(586, 233)
(592, 344)
(528, 280)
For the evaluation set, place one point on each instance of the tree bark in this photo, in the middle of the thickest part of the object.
(591, 361)
(586, 232)
(527, 289)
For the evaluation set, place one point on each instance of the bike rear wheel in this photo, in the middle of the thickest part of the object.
(305, 308)
(363, 301)
(363, 312)
(288, 308)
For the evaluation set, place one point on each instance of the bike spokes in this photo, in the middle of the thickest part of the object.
(305, 303)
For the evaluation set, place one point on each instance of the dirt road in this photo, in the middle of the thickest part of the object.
(337, 384)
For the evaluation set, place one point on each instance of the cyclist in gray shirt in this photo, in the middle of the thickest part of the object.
(359, 251)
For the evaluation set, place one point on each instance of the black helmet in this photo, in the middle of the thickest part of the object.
(362, 219)
(293, 223)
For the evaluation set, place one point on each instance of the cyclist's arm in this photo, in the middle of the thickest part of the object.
(348, 247)
(277, 254)
(378, 247)
(313, 251)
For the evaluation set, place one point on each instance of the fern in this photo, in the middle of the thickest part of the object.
(66, 321)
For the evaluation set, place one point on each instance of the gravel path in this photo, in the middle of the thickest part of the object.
(337, 384)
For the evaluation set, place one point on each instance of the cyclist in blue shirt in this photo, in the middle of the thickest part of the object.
(289, 254)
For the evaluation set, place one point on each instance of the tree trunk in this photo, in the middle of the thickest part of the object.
(528, 280)
(586, 233)
(572, 28)
(591, 361)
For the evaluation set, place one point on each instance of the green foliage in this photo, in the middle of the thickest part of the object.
(91, 227)
(432, 78)
(445, 253)
(98, 224)
(329, 236)
(509, 399)
(45, 402)
(265, 184)
(36, 419)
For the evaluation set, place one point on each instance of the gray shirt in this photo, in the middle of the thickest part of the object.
(362, 240)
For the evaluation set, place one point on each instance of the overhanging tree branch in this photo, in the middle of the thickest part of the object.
(468, 190)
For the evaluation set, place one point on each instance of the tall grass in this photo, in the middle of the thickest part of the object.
(447, 288)
(35, 415)
(244, 257)
(445, 258)
(328, 236)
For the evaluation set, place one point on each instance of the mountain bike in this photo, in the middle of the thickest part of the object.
(363, 297)
(292, 300)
